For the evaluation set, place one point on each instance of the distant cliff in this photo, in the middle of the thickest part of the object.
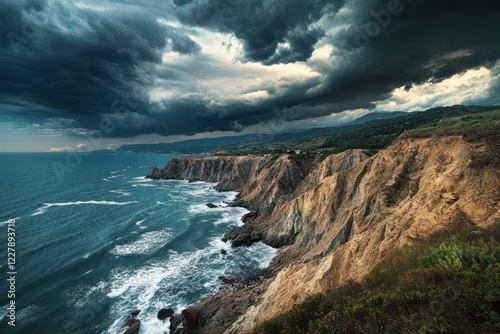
(339, 217)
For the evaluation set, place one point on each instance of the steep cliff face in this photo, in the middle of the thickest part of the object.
(260, 180)
(345, 225)
(344, 216)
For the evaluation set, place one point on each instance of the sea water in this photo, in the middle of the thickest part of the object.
(101, 241)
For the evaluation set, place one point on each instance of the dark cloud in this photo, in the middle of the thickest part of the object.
(64, 60)
(420, 41)
(277, 31)
(82, 63)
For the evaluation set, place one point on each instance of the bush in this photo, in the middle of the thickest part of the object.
(442, 285)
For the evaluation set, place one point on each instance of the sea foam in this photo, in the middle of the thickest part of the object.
(46, 206)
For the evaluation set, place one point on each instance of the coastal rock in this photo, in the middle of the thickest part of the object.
(228, 280)
(133, 326)
(260, 180)
(243, 235)
(155, 174)
(194, 319)
(338, 218)
(178, 324)
(252, 215)
(381, 204)
(165, 313)
(135, 313)
(211, 205)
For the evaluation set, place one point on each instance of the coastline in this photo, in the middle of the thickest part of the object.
(335, 219)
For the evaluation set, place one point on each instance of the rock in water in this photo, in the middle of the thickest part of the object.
(211, 205)
(155, 174)
(135, 313)
(133, 326)
(178, 324)
(165, 313)
(223, 252)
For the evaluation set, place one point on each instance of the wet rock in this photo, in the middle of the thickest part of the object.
(165, 313)
(135, 313)
(223, 252)
(249, 216)
(228, 280)
(211, 205)
(133, 326)
(193, 318)
(178, 324)
(243, 235)
(155, 174)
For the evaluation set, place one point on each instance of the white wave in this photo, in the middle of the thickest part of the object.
(232, 217)
(115, 176)
(140, 222)
(143, 166)
(167, 283)
(46, 206)
(88, 272)
(121, 192)
(29, 314)
(143, 289)
(81, 295)
(86, 256)
(143, 185)
(105, 179)
(202, 209)
(147, 244)
(140, 179)
(117, 171)
(3, 312)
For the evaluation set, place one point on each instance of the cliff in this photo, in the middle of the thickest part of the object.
(340, 219)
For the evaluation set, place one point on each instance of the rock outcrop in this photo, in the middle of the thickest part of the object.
(340, 219)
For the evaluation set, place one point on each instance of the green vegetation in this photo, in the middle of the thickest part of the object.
(487, 123)
(449, 283)
(378, 134)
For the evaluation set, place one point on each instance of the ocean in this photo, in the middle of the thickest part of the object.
(103, 241)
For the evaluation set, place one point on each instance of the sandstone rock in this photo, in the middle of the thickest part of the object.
(342, 215)
(450, 197)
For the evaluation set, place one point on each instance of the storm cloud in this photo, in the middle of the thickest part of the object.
(192, 66)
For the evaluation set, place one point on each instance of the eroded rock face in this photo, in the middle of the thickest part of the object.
(345, 225)
(340, 219)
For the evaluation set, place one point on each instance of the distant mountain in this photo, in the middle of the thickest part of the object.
(377, 115)
(373, 131)
(187, 146)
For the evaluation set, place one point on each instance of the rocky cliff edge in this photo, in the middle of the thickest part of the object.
(338, 220)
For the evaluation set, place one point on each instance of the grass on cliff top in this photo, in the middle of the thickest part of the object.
(449, 283)
(481, 124)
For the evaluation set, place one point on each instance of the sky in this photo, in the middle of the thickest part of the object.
(89, 74)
